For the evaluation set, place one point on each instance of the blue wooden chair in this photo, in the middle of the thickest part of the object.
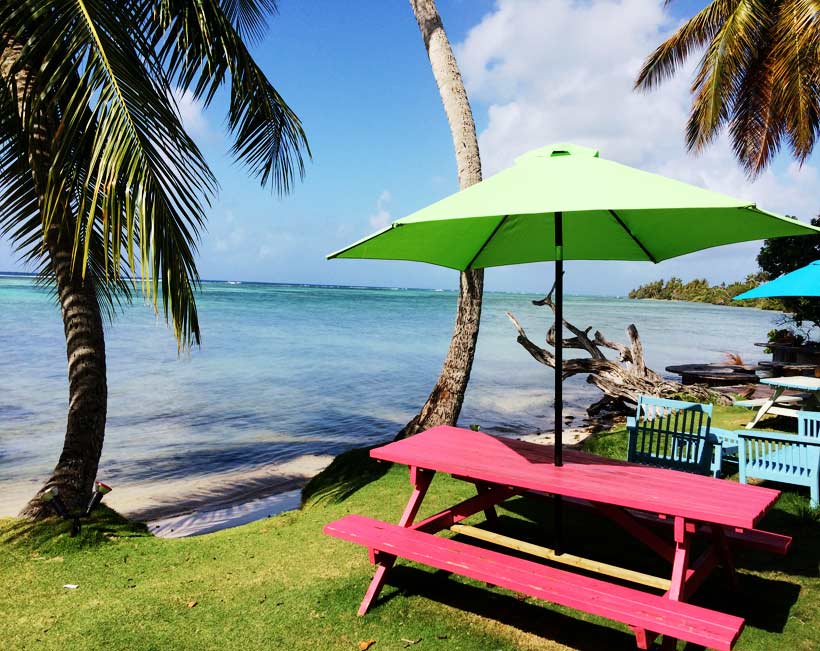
(788, 458)
(678, 435)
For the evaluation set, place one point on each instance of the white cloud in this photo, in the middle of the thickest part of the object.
(563, 71)
(230, 239)
(193, 117)
(381, 218)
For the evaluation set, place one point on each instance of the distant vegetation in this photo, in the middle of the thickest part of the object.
(700, 291)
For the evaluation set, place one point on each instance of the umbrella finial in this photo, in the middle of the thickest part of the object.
(558, 149)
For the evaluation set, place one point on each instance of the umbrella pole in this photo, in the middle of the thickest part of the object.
(558, 460)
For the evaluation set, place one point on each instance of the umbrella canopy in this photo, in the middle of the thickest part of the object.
(801, 282)
(564, 202)
(610, 212)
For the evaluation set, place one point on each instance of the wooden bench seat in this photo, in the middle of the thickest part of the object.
(635, 608)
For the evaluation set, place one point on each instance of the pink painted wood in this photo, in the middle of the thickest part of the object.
(420, 479)
(644, 611)
(508, 462)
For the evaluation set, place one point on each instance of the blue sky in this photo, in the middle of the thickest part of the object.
(537, 71)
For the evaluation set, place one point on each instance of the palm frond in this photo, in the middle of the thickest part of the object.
(796, 72)
(122, 154)
(201, 50)
(722, 69)
(249, 17)
(756, 127)
(695, 33)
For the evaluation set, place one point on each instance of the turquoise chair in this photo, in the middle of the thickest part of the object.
(784, 457)
(677, 434)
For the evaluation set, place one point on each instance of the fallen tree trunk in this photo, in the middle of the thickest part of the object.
(621, 380)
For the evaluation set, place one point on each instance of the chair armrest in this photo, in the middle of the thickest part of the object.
(631, 422)
(777, 436)
(724, 436)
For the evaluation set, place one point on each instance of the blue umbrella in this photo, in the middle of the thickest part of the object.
(801, 282)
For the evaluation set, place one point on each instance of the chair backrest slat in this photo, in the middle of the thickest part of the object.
(808, 423)
(672, 434)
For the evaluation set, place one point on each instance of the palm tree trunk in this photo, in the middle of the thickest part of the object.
(444, 403)
(82, 322)
(76, 469)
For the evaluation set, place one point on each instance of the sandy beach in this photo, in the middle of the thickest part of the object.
(196, 506)
(185, 507)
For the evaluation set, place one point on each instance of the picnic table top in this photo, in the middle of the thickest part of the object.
(802, 382)
(508, 462)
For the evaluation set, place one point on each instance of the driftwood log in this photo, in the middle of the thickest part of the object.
(621, 380)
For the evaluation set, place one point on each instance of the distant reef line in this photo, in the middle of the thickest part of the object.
(700, 291)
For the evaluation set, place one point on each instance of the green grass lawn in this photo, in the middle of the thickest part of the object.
(281, 584)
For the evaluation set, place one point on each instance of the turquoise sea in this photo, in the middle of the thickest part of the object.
(286, 371)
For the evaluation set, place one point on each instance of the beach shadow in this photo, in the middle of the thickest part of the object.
(348, 473)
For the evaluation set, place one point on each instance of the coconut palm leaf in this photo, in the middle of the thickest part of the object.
(695, 33)
(122, 156)
(722, 70)
(200, 48)
(760, 74)
(249, 16)
(795, 72)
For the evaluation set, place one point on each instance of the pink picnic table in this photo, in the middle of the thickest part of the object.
(665, 510)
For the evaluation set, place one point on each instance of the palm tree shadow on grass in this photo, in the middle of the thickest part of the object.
(52, 533)
(348, 473)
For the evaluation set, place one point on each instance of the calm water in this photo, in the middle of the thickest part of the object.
(289, 370)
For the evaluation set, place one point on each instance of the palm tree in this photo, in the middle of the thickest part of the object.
(101, 188)
(445, 400)
(759, 75)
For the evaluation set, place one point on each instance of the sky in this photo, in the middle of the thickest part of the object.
(536, 71)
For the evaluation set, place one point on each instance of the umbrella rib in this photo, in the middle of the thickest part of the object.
(486, 242)
(632, 235)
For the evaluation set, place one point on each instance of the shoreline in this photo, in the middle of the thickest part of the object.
(234, 508)
(193, 507)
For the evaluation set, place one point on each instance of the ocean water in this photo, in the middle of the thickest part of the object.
(286, 371)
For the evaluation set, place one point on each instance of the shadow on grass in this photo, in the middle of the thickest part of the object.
(764, 602)
(348, 473)
(531, 617)
(53, 533)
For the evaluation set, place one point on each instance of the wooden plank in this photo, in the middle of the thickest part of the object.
(758, 402)
(566, 559)
(632, 607)
(458, 512)
(798, 382)
(508, 462)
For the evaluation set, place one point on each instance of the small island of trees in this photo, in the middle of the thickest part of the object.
(700, 291)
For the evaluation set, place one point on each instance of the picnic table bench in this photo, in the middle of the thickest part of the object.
(723, 514)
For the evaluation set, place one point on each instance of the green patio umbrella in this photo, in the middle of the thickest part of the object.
(563, 202)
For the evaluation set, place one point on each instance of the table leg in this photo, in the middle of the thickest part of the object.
(725, 554)
(420, 479)
(558, 523)
(778, 391)
(680, 571)
(489, 512)
(680, 563)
